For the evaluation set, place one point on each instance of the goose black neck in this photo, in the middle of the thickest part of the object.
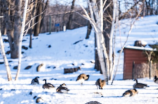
(136, 80)
(45, 81)
(155, 77)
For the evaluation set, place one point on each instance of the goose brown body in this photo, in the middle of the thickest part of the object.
(39, 67)
(100, 83)
(139, 85)
(130, 93)
(62, 89)
(39, 100)
(82, 77)
(47, 85)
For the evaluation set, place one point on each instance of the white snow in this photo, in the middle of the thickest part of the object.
(62, 54)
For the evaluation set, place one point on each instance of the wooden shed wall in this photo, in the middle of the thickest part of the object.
(131, 55)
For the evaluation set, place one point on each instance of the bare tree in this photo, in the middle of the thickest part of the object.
(96, 20)
(18, 3)
(17, 27)
(129, 32)
(111, 61)
(39, 18)
(8, 19)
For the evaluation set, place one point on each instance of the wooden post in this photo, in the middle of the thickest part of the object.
(150, 68)
(133, 70)
(50, 24)
(64, 28)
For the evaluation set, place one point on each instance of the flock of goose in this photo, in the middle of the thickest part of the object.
(133, 91)
(83, 77)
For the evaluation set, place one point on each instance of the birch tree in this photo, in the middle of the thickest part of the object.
(111, 65)
(96, 20)
(21, 35)
(5, 59)
(129, 32)
(97, 9)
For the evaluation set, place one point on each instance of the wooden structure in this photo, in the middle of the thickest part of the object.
(71, 70)
(136, 55)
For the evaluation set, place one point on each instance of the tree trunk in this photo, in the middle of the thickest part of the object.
(69, 23)
(101, 48)
(97, 64)
(21, 32)
(17, 28)
(32, 23)
(97, 24)
(8, 19)
(111, 40)
(89, 28)
(5, 59)
(30, 43)
(39, 18)
(108, 34)
(2, 24)
(150, 69)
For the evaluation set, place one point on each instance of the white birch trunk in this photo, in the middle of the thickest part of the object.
(5, 59)
(21, 37)
(98, 40)
(97, 24)
(99, 33)
(111, 40)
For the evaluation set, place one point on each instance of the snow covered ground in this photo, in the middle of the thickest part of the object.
(62, 53)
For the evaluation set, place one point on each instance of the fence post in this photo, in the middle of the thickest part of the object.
(133, 70)
(50, 24)
(64, 28)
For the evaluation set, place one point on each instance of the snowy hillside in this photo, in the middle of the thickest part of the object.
(69, 49)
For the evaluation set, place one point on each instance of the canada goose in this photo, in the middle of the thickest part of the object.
(35, 81)
(82, 77)
(130, 93)
(39, 100)
(100, 83)
(63, 85)
(156, 79)
(62, 88)
(139, 85)
(47, 85)
(39, 67)
(93, 102)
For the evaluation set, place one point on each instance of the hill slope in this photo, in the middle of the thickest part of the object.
(58, 51)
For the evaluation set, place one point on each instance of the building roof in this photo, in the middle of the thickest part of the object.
(139, 48)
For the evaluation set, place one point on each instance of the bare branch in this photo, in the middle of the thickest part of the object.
(128, 10)
(87, 16)
(129, 32)
(104, 3)
(107, 6)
